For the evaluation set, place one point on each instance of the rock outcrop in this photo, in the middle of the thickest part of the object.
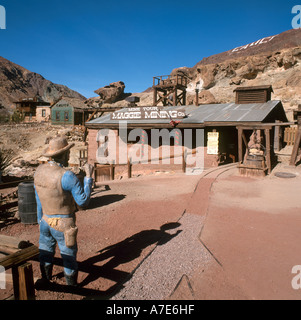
(110, 94)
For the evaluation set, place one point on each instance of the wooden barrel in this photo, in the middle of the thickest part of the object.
(255, 161)
(27, 204)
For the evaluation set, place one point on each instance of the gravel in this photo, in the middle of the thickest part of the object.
(158, 275)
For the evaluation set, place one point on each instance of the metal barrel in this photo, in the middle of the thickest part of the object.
(27, 204)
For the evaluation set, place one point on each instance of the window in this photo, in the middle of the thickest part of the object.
(43, 113)
(57, 115)
(66, 116)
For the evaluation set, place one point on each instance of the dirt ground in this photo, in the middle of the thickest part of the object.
(229, 237)
(26, 142)
(123, 216)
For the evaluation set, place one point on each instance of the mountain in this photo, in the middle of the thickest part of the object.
(274, 60)
(17, 83)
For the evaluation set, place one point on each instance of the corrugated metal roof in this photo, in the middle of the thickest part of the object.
(229, 112)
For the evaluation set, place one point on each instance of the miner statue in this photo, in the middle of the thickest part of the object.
(57, 193)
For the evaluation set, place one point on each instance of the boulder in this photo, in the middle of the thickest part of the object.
(112, 92)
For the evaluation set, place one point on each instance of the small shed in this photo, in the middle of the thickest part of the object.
(70, 111)
(254, 94)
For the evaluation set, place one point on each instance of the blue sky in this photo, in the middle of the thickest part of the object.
(89, 44)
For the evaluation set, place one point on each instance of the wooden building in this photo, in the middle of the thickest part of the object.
(228, 129)
(43, 113)
(70, 111)
(28, 107)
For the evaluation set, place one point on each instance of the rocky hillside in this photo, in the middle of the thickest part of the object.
(274, 60)
(17, 82)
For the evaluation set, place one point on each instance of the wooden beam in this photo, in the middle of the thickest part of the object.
(26, 283)
(129, 168)
(239, 145)
(112, 171)
(268, 149)
(244, 139)
(165, 97)
(91, 116)
(19, 257)
(184, 98)
(175, 97)
(277, 137)
(296, 148)
(8, 250)
(13, 242)
(184, 157)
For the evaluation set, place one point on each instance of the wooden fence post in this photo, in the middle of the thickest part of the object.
(26, 283)
(112, 171)
(184, 155)
(129, 168)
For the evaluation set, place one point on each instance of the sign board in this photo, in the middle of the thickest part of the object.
(212, 143)
(147, 113)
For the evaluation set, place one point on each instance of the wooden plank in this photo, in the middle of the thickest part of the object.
(15, 275)
(296, 148)
(129, 168)
(19, 257)
(2, 255)
(13, 242)
(268, 149)
(244, 139)
(239, 144)
(184, 157)
(8, 250)
(277, 138)
(11, 184)
(175, 97)
(112, 172)
(26, 283)
(8, 205)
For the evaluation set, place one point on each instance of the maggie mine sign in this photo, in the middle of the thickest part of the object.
(144, 113)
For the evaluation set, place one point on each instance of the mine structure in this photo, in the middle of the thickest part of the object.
(170, 89)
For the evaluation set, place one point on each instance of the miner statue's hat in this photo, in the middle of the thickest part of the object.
(57, 146)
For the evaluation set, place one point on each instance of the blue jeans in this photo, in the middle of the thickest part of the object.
(47, 243)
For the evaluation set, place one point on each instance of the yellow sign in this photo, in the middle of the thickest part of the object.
(212, 143)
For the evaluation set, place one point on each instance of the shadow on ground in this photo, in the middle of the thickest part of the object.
(120, 253)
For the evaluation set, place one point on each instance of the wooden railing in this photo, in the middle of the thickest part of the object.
(171, 80)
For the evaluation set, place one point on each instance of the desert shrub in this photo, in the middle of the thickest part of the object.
(5, 160)
(17, 117)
